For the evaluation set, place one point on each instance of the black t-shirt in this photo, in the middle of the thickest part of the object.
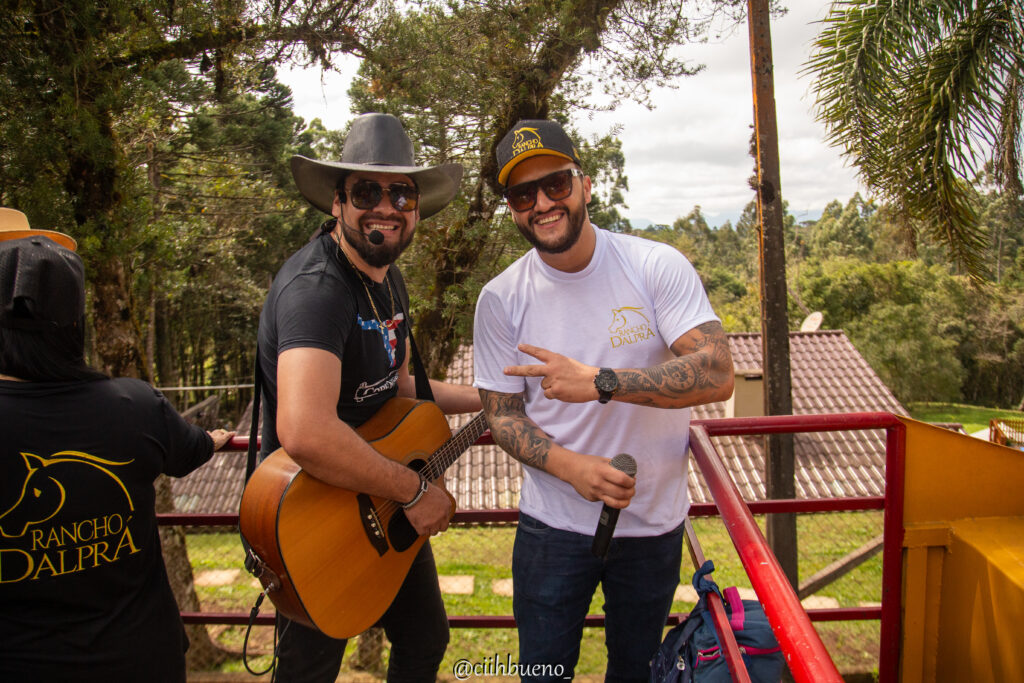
(83, 590)
(318, 300)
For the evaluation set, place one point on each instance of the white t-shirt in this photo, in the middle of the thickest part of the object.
(624, 310)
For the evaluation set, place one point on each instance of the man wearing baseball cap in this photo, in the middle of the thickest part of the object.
(580, 346)
(333, 349)
(84, 594)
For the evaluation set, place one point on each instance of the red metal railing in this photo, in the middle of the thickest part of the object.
(808, 660)
(807, 657)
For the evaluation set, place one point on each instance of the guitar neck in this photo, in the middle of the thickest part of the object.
(443, 458)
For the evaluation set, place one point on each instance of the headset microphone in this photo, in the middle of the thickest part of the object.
(376, 237)
(623, 462)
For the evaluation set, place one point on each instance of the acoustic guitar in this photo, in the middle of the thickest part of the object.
(334, 559)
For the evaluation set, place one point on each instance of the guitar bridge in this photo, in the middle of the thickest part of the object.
(371, 524)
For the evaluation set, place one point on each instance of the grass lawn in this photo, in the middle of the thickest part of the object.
(973, 418)
(485, 554)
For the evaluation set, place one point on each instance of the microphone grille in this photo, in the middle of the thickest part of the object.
(376, 237)
(624, 462)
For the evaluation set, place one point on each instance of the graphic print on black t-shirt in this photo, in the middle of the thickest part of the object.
(387, 333)
(52, 533)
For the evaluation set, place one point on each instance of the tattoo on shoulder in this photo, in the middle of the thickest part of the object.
(511, 429)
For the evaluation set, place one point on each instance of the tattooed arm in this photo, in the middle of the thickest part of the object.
(700, 373)
(592, 476)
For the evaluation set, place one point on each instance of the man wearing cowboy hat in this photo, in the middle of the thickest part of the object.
(333, 340)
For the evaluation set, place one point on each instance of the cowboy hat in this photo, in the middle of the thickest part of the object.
(14, 225)
(376, 143)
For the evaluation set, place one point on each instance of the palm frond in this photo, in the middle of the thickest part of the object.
(919, 95)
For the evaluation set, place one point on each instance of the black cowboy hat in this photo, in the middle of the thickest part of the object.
(376, 143)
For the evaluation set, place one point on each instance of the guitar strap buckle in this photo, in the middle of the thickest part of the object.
(261, 570)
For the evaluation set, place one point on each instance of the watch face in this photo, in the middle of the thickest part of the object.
(606, 380)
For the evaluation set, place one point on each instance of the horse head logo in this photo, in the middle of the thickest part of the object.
(42, 493)
(520, 136)
(626, 317)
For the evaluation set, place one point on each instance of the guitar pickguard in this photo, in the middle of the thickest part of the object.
(400, 532)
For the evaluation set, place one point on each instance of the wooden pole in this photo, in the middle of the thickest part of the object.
(778, 398)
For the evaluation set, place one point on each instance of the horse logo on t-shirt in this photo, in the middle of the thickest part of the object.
(43, 494)
(629, 325)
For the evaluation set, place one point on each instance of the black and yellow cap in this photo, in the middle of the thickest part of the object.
(529, 138)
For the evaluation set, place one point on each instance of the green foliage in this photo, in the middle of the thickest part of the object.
(460, 74)
(843, 232)
(910, 90)
(150, 133)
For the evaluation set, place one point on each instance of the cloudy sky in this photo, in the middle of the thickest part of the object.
(692, 149)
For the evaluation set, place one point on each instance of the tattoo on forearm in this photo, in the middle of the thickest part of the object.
(511, 429)
(696, 372)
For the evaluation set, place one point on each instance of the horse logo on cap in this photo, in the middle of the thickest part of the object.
(525, 139)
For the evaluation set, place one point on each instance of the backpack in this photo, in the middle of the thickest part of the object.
(692, 653)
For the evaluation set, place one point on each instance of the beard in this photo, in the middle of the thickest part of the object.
(375, 255)
(574, 218)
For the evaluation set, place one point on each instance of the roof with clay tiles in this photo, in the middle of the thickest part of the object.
(829, 376)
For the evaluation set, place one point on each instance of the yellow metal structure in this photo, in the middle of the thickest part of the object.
(963, 559)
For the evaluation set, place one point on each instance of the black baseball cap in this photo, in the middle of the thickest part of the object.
(42, 284)
(529, 138)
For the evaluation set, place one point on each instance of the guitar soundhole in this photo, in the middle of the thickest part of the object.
(400, 532)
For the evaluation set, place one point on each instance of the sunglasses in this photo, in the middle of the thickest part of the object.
(557, 185)
(366, 194)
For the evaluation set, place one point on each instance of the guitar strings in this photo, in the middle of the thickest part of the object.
(433, 469)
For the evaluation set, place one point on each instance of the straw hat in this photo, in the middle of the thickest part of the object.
(14, 225)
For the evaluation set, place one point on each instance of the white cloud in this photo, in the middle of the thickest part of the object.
(693, 147)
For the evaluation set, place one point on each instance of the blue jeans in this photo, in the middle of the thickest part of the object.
(554, 577)
(415, 623)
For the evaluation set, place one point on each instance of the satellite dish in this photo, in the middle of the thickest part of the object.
(812, 322)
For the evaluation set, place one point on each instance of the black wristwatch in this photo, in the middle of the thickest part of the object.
(607, 383)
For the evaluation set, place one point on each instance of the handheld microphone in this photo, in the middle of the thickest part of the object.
(376, 237)
(623, 462)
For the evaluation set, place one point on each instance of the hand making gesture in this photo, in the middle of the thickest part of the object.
(565, 379)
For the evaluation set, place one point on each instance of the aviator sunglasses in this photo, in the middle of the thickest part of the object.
(557, 185)
(366, 194)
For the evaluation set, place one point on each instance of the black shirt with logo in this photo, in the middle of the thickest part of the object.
(318, 300)
(83, 590)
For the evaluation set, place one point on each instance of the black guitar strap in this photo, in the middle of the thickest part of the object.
(254, 425)
(423, 390)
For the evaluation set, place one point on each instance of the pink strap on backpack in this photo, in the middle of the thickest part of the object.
(736, 616)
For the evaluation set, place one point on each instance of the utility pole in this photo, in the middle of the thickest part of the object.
(778, 395)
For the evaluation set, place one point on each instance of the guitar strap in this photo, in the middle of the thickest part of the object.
(423, 391)
(257, 381)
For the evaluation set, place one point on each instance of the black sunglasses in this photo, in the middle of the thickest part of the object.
(366, 194)
(557, 185)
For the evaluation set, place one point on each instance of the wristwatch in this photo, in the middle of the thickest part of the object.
(607, 383)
